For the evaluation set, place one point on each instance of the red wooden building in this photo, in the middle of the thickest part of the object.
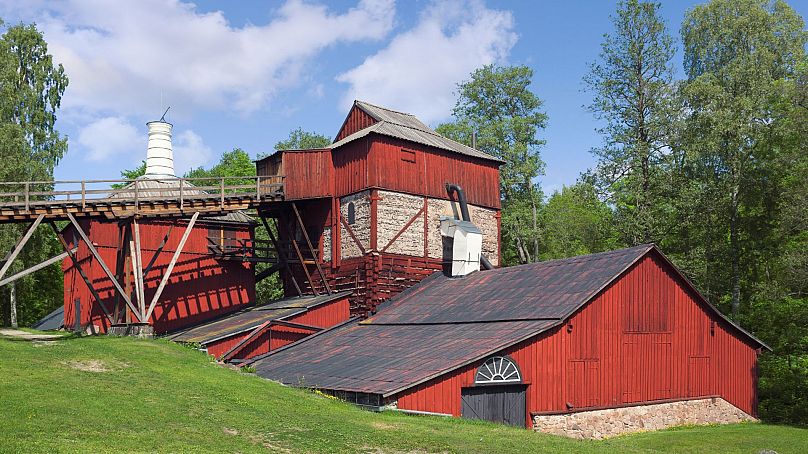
(615, 329)
(371, 204)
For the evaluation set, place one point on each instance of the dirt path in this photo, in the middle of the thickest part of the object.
(10, 332)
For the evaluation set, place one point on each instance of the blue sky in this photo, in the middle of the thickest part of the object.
(243, 74)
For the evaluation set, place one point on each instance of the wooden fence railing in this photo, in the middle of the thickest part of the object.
(28, 194)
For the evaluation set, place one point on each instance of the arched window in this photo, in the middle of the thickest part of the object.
(498, 369)
(351, 213)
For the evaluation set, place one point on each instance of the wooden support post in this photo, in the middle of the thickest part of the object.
(35, 268)
(171, 264)
(141, 291)
(311, 248)
(104, 266)
(20, 244)
(78, 268)
(374, 218)
(303, 265)
(77, 316)
(268, 272)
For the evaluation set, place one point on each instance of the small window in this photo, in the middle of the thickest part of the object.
(498, 369)
(351, 213)
(407, 156)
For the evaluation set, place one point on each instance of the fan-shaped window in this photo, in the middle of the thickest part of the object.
(351, 213)
(498, 369)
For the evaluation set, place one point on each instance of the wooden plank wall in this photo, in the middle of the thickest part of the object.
(599, 364)
(357, 120)
(309, 174)
(200, 288)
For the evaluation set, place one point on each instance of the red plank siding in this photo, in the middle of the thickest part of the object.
(219, 286)
(309, 174)
(356, 121)
(604, 362)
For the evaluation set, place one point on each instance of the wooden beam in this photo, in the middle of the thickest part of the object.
(171, 264)
(303, 265)
(104, 266)
(35, 268)
(228, 355)
(141, 297)
(403, 229)
(352, 235)
(281, 257)
(78, 268)
(20, 244)
(311, 248)
(266, 273)
(157, 252)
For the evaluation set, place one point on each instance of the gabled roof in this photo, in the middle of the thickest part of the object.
(406, 126)
(52, 321)
(444, 323)
(251, 318)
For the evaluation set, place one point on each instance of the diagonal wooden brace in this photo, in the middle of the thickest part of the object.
(173, 262)
(20, 244)
(104, 267)
(35, 268)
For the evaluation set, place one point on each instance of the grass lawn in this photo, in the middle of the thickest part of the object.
(99, 394)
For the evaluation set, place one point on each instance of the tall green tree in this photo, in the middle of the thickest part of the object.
(632, 82)
(498, 105)
(737, 54)
(574, 221)
(302, 140)
(31, 89)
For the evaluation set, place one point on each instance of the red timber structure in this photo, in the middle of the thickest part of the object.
(161, 254)
(614, 329)
(371, 205)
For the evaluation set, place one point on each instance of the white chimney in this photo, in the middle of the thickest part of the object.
(159, 155)
(466, 243)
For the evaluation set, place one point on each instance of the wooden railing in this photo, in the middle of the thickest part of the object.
(29, 194)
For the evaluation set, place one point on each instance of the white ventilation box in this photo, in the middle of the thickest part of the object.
(466, 243)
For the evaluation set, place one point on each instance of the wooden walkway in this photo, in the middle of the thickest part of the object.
(118, 199)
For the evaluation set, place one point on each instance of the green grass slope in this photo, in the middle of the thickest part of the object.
(99, 394)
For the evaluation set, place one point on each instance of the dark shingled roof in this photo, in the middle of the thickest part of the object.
(378, 359)
(251, 318)
(539, 291)
(445, 323)
(407, 127)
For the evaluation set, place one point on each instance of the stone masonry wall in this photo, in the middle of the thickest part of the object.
(599, 424)
(484, 218)
(361, 228)
(394, 211)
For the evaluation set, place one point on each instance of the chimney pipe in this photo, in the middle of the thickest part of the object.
(455, 189)
(159, 153)
(474, 139)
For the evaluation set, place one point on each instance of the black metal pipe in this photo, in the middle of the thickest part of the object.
(456, 189)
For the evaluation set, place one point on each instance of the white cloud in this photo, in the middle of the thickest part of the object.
(120, 56)
(109, 137)
(190, 152)
(420, 68)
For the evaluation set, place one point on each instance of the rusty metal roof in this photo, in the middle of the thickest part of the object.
(538, 291)
(444, 323)
(407, 127)
(251, 318)
(384, 360)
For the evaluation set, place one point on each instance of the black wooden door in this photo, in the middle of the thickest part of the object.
(501, 403)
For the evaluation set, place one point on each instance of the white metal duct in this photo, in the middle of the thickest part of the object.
(159, 154)
(466, 242)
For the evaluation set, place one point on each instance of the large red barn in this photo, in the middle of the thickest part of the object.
(609, 330)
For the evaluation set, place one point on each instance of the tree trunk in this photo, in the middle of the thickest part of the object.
(535, 231)
(12, 296)
(734, 252)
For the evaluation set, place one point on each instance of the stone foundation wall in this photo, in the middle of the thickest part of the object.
(599, 424)
(484, 218)
(394, 211)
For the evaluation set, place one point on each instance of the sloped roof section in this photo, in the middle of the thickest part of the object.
(52, 321)
(540, 291)
(408, 127)
(251, 318)
(384, 360)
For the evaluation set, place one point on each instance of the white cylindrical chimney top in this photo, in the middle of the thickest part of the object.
(159, 155)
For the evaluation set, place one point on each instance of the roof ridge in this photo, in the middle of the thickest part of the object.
(359, 101)
(432, 132)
